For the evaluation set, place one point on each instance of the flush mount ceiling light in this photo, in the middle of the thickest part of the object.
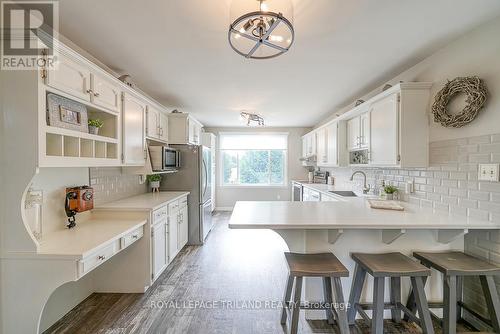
(252, 119)
(261, 29)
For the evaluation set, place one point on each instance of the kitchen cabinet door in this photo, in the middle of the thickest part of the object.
(321, 149)
(384, 131)
(152, 123)
(163, 123)
(134, 110)
(70, 76)
(332, 144)
(173, 230)
(105, 92)
(364, 131)
(353, 133)
(183, 228)
(159, 247)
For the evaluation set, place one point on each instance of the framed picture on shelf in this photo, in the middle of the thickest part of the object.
(67, 114)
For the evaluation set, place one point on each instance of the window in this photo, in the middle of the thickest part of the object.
(253, 159)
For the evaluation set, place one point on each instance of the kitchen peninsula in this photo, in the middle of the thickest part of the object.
(345, 225)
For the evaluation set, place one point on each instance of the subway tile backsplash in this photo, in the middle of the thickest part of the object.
(450, 183)
(111, 184)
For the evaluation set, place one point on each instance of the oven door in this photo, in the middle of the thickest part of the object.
(170, 158)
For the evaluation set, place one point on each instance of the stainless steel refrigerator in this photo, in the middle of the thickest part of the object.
(195, 176)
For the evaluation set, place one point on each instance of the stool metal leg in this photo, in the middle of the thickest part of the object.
(492, 301)
(396, 298)
(378, 305)
(286, 298)
(460, 288)
(450, 305)
(296, 305)
(356, 289)
(327, 292)
(422, 306)
(341, 310)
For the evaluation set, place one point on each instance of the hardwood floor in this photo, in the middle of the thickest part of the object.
(234, 266)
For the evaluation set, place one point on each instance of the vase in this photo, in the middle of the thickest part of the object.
(389, 197)
(93, 130)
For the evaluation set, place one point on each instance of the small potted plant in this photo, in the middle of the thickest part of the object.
(95, 125)
(390, 191)
(154, 182)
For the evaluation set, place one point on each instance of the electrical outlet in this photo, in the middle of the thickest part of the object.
(488, 172)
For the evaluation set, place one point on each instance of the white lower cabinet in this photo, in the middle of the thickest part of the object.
(159, 248)
(169, 234)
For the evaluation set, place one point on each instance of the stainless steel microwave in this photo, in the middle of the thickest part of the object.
(164, 158)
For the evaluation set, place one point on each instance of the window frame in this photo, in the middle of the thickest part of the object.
(254, 186)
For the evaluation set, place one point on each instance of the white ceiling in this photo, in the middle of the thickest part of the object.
(177, 51)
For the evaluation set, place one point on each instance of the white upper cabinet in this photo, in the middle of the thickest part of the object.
(353, 133)
(309, 145)
(390, 129)
(105, 92)
(384, 131)
(156, 124)
(163, 127)
(332, 145)
(358, 132)
(134, 110)
(70, 76)
(152, 123)
(184, 129)
(321, 147)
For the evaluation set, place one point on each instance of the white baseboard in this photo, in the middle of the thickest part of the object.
(224, 208)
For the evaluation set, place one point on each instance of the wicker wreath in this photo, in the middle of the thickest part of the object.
(476, 92)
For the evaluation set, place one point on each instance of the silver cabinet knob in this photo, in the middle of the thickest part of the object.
(101, 257)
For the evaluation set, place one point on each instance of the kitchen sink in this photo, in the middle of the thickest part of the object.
(344, 193)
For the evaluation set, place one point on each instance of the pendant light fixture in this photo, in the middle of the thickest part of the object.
(261, 29)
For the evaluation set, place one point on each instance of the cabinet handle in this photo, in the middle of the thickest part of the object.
(158, 130)
(96, 94)
(134, 236)
(101, 257)
(90, 91)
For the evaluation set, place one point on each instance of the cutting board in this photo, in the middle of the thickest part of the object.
(385, 205)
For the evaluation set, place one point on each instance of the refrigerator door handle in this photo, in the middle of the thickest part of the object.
(205, 186)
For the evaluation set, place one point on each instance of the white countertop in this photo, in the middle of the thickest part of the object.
(86, 237)
(346, 213)
(147, 202)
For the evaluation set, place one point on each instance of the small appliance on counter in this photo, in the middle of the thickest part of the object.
(321, 177)
(78, 199)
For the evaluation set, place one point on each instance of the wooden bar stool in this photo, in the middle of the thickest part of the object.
(455, 266)
(395, 266)
(327, 266)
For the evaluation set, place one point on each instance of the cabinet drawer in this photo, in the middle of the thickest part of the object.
(95, 259)
(159, 214)
(131, 237)
(183, 202)
(173, 207)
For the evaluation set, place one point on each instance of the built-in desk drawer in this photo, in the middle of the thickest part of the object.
(159, 214)
(132, 237)
(95, 259)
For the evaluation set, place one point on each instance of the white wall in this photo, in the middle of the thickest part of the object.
(475, 53)
(226, 197)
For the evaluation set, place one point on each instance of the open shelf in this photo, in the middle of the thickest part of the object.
(57, 145)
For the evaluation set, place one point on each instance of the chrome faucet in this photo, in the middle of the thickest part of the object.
(366, 187)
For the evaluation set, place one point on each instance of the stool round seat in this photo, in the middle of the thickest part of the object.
(390, 265)
(457, 263)
(315, 265)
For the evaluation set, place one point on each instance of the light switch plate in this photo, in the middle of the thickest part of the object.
(488, 172)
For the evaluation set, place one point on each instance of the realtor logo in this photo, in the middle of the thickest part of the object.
(29, 34)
